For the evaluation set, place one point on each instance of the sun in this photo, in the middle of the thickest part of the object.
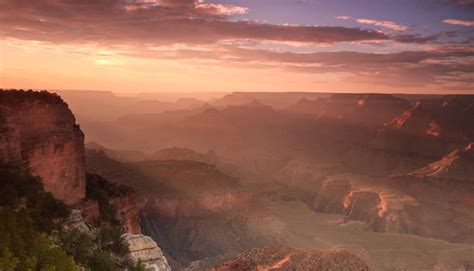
(102, 60)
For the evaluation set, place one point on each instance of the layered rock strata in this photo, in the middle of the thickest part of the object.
(39, 134)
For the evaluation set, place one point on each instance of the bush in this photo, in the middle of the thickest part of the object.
(111, 241)
(101, 261)
(31, 218)
(77, 244)
(23, 190)
(22, 247)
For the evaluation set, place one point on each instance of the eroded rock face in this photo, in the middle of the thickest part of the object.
(457, 165)
(128, 211)
(144, 249)
(429, 130)
(445, 189)
(360, 198)
(39, 134)
(122, 202)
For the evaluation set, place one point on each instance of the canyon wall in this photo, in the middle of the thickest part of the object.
(105, 199)
(128, 211)
(39, 134)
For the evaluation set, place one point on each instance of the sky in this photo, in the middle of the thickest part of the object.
(397, 46)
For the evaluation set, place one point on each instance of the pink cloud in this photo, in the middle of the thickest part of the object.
(157, 22)
(221, 9)
(458, 22)
(385, 24)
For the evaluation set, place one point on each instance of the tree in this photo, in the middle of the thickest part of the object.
(8, 261)
(101, 261)
(111, 241)
(77, 244)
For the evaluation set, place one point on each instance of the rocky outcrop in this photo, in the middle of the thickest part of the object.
(457, 165)
(38, 133)
(127, 208)
(427, 131)
(383, 208)
(144, 249)
(423, 205)
(107, 200)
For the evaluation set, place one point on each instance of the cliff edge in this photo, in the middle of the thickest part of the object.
(39, 134)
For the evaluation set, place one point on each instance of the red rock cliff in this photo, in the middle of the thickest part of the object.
(38, 133)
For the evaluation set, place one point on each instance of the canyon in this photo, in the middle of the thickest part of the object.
(390, 166)
(263, 181)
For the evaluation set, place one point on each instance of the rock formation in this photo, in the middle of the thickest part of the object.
(123, 202)
(39, 134)
(457, 165)
(429, 130)
(359, 197)
(144, 249)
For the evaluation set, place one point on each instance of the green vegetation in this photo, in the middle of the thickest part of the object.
(101, 261)
(94, 253)
(33, 234)
(111, 241)
(29, 215)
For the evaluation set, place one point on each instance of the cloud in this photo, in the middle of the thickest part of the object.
(442, 66)
(385, 24)
(157, 22)
(458, 22)
(203, 32)
(416, 38)
(221, 9)
(343, 17)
